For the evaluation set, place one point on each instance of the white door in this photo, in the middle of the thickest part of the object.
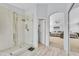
(42, 31)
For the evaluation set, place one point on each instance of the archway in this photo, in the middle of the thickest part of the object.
(56, 30)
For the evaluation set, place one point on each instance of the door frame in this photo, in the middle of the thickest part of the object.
(42, 29)
(66, 44)
(48, 27)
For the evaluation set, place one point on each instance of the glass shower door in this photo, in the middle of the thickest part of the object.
(74, 31)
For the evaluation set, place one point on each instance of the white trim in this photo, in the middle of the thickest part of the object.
(48, 27)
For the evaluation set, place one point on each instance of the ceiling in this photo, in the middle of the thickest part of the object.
(26, 6)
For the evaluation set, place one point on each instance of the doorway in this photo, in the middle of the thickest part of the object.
(56, 33)
(41, 31)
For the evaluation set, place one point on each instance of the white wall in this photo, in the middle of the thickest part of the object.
(59, 17)
(35, 29)
(42, 10)
(13, 8)
(56, 7)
